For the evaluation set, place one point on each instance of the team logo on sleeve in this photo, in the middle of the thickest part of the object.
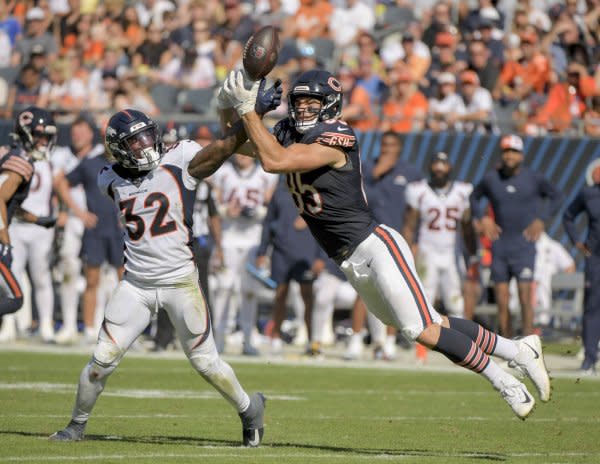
(336, 139)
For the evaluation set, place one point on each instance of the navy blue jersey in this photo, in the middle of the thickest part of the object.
(15, 160)
(278, 229)
(86, 174)
(386, 193)
(331, 201)
(586, 201)
(516, 200)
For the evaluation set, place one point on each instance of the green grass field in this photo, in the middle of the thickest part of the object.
(159, 411)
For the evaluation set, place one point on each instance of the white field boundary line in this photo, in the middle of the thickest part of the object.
(559, 366)
(228, 452)
(318, 418)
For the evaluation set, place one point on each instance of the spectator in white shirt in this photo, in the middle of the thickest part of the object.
(348, 21)
(448, 104)
(478, 115)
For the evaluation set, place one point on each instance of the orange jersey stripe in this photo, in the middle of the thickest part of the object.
(410, 279)
(10, 280)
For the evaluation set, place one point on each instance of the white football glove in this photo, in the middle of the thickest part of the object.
(223, 100)
(241, 91)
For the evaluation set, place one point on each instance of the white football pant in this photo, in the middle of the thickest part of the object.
(129, 312)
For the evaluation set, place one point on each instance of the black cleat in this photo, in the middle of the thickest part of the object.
(72, 432)
(253, 421)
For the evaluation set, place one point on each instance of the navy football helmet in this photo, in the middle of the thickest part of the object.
(36, 131)
(319, 84)
(134, 140)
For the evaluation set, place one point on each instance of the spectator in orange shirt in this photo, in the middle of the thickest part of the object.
(406, 108)
(312, 19)
(519, 79)
(357, 108)
(566, 100)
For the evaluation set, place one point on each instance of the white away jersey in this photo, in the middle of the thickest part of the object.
(156, 211)
(440, 213)
(39, 198)
(248, 189)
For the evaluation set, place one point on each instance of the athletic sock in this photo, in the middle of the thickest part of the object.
(490, 342)
(462, 351)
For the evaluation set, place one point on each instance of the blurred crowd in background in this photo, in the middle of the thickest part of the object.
(459, 65)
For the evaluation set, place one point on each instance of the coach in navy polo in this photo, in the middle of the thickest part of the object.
(103, 237)
(517, 197)
(587, 202)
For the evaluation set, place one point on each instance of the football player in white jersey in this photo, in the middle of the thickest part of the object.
(441, 207)
(242, 190)
(32, 244)
(155, 191)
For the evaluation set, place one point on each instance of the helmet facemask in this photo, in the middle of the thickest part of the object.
(38, 140)
(328, 110)
(309, 115)
(140, 151)
(43, 141)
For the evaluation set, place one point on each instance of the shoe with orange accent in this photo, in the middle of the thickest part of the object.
(530, 361)
(72, 432)
(421, 353)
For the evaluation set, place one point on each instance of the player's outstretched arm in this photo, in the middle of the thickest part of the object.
(212, 156)
(297, 157)
(274, 157)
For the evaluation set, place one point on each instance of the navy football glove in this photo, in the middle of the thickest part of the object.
(6, 254)
(268, 99)
(45, 221)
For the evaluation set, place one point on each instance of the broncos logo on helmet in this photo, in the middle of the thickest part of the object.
(318, 84)
(133, 139)
(36, 131)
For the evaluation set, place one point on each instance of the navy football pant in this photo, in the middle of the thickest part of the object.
(591, 311)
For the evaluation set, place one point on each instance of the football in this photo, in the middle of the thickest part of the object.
(261, 53)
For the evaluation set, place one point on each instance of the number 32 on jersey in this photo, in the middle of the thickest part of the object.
(135, 223)
(306, 197)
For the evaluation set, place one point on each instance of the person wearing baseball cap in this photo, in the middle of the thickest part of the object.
(478, 115)
(522, 201)
(36, 36)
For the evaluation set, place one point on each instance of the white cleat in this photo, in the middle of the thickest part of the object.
(517, 397)
(47, 334)
(530, 361)
(276, 347)
(66, 337)
(355, 348)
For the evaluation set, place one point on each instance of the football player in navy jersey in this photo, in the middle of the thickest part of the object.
(34, 138)
(320, 156)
